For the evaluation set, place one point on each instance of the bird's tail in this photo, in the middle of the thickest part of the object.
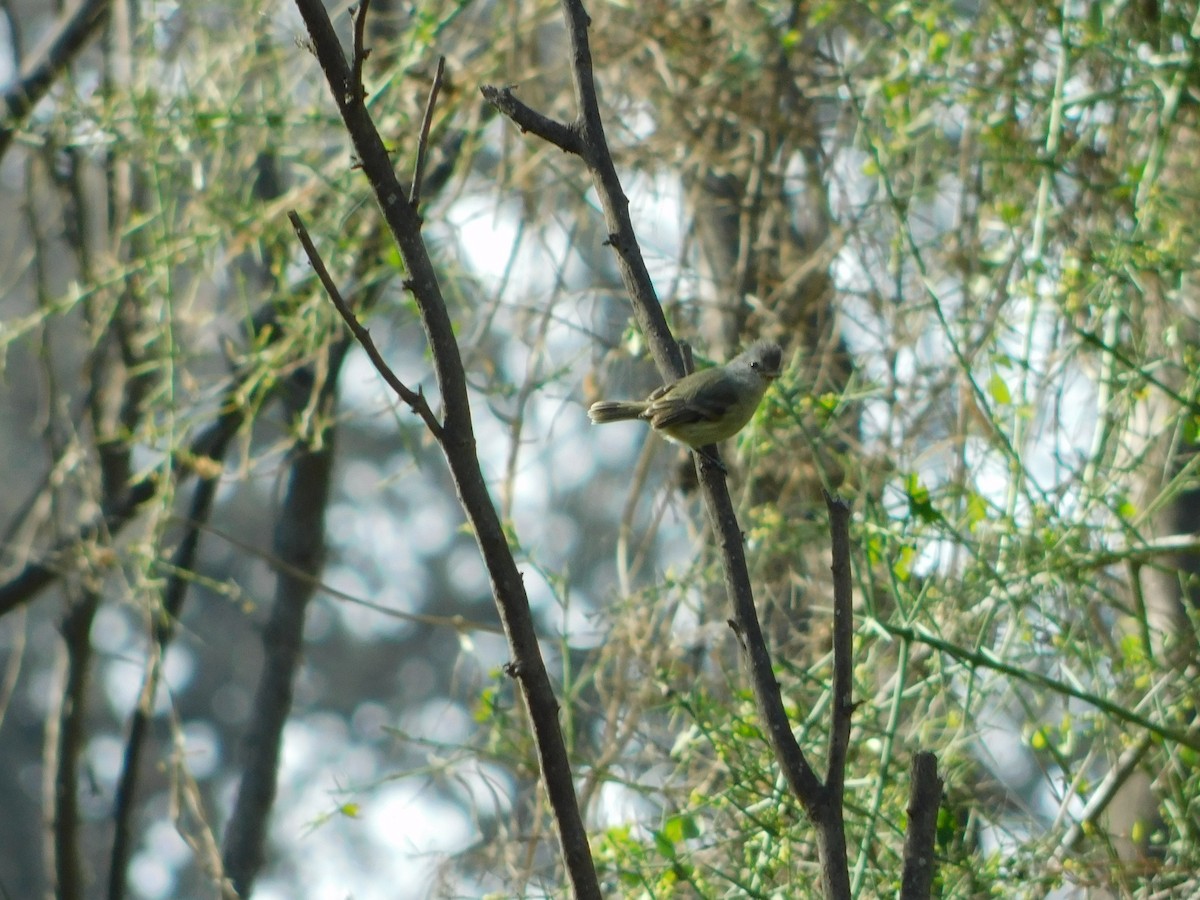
(615, 411)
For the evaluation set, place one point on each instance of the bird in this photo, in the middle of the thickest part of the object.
(706, 407)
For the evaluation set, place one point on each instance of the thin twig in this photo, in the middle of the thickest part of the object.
(1116, 777)
(415, 399)
(627, 570)
(38, 574)
(843, 650)
(456, 623)
(174, 594)
(183, 562)
(192, 820)
(414, 194)
(987, 660)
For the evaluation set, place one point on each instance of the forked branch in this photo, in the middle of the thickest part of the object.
(457, 440)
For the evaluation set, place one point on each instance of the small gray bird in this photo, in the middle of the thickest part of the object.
(705, 407)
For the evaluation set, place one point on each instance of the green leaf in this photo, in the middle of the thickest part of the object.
(918, 500)
(664, 844)
(977, 510)
(902, 567)
(999, 390)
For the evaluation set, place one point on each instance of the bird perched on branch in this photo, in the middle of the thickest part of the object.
(705, 407)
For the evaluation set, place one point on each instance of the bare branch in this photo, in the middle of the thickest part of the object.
(985, 659)
(414, 193)
(1103, 795)
(300, 542)
(800, 776)
(69, 740)
(193, 821)
(924, 800)
(822, 805)
(174, 593)
(72, 36)
(415, 399)
(360, 51)
(529, 120)
(38, 574)
(595, 154)
(843, 646)
(458, 444)
(456, 623)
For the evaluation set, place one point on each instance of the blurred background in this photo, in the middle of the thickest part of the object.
(972, 226)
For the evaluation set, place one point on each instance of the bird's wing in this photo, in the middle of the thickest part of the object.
(668, 410)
